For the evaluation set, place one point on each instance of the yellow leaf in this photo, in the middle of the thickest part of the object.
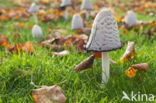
(131, 72)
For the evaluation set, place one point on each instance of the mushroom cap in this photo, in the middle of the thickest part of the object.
(86, 5)
(104, 34)
(130, 18)
(77, 22)
(33, 8)
(37, 32)
(66, 3)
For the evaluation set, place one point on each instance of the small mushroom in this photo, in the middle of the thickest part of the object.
(65, 4)
(77, 23)
(86, 6)
(37, 32)
(130, 19)
(34, 9)
(104, 38)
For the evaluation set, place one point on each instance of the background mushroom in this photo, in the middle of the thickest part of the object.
(104, 38)
(37, 32)
(130, 19)
(86, 6)
(65, 4)
(34, 9)
(77, 23)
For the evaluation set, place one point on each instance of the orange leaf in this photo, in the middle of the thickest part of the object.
(131, 72)
(97, 55)
(4, 18)
(28, 47)
(3, 41)
(45, 1)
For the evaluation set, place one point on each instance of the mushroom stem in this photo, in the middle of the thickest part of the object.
(105, 67)
(66, 14)
(35, 18)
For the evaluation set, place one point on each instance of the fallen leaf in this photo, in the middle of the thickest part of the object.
(49, 94)
(142, 66)
(19, 47)
(62, 53)
(3, 41)
(129, 53)
(45, 1)
(85, 64)
(131, 72)
(78, 41)
(28, 47)
(4, 18)
(97, 55)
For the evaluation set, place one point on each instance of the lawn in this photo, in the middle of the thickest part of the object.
(17, 69)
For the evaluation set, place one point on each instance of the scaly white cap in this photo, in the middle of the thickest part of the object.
(77, 22)
(130, 18)
(86, 5)
(105, 34)
(33, 8)
(65, 3)
(37, 32)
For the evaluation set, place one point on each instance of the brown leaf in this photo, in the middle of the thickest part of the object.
(142, 66)
(131, 72)
(85, 64)
(129, 53)
(71, 40)
(49, 94)
(17, 48)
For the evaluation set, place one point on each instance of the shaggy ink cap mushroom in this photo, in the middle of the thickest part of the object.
(86, 5)
(37, 31)
(77, 22)
(33, 8)
(104, 37)
(104, 34)
(130, 18)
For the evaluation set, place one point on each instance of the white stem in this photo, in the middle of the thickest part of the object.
(105, 67)
(36, 19)
(66, 14)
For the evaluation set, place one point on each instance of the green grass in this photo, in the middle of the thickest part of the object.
(83, 87)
